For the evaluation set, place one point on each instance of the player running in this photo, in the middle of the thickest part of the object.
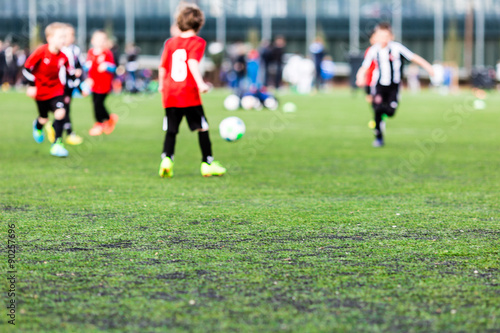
(389, 56)
(42, 69)
(181, 83)
(101, 68)
(73, 53)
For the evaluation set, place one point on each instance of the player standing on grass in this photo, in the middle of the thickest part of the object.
(73, 53)
(181, 83)
(101, 68)
(42, 69)
(389, 56)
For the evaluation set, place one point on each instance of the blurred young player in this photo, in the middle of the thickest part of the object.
(101, 68)
(73, 53)
(370, 77)
(389, 56)
(181, 84)
(42, 69)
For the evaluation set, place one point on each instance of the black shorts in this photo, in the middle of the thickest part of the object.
(387, 96)
(44, 107)
(195, 117)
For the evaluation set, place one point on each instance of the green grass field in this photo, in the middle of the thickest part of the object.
(312, 229)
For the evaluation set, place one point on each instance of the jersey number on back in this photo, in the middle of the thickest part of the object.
(179, 67)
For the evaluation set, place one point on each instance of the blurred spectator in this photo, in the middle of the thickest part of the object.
(327, 69)
(277, 55)
(115, 49)
(11, 68)
(266, 58)
(239, 68)
(2, 62)
(317, 50)
(253, 69)
(132, 53)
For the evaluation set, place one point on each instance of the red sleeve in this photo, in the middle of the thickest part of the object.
(110, 58)
(196, 52)
(33, 60)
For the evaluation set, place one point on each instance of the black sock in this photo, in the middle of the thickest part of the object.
(378, 129)
(58, 128)
(206, 147)
(68, 128)
(38, 125)
(169, 145)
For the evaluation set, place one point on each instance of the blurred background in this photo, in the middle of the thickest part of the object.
(462, 35)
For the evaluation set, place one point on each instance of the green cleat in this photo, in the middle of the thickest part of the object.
(166, 168)
(58, 149)
(213, 169)
(37, 134)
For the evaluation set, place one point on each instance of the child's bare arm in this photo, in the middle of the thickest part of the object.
(194, 67)
(161, 77)
(424, 64)
(360, 77)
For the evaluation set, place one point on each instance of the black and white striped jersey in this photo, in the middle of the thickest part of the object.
(390, 62)
(73, 53)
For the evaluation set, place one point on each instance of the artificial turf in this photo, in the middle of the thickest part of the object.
(311, 230)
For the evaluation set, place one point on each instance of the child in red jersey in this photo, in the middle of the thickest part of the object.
(101, 68)
(181, 83)
(42, 70)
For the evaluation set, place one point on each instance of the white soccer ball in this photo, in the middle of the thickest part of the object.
(289, 107)
(479, 104)
(271, 103)
(232, 129)
(232, 103)
(249, 102)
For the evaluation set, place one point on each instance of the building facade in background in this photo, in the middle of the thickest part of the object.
(245, 20)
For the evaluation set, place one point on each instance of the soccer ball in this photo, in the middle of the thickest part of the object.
(232, 103)
(479, 104)
(289, 107)
(249, 102)
(271, 103)
(232, 129)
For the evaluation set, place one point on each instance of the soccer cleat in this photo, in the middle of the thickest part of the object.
(37, 134)
(109, 125)
(166, 168)
(51, 132)
(74, 139)
(58, 149)
(378, 143)
(214, 169)
(96, 130)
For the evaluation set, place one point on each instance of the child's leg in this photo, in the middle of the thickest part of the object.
(197, 122)
(67, 120)
(100, 112)
(205, 146)
(59, 116)
(378, 110)
(173, 119)
(43, 114)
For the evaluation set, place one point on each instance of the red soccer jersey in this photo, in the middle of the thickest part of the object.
(179, 87)
(371, 69)
(45, 67)
(102, 81)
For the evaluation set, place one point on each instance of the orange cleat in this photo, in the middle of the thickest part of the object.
(109, 125)
(97, 129)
